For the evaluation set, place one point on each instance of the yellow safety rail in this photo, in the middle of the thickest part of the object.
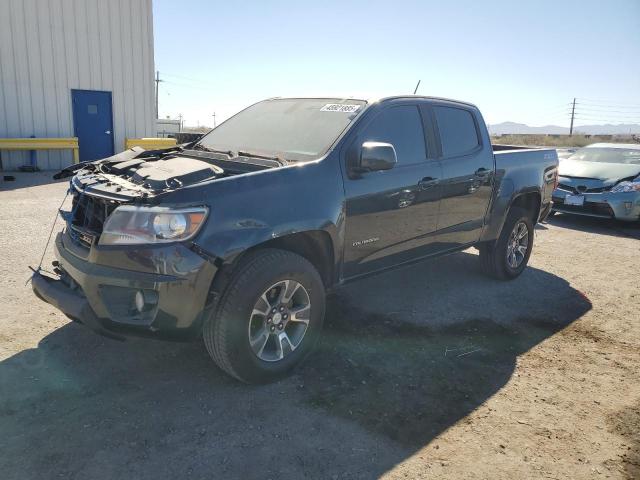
(149, 143)
(42, 144)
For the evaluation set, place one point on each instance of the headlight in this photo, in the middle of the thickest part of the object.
(627, 187)
(130, 225)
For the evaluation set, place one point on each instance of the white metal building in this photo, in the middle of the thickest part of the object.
(168, 127)
(75, 68)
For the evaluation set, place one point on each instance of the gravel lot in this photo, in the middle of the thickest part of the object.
(427, 372)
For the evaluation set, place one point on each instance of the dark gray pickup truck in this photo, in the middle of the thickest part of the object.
(236, 237)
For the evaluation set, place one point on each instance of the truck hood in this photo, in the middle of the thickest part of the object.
(608, 173)
(127, 176)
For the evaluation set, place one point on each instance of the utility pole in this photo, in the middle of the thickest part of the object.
(180, 117)
(416, 89)
(573, 113)
(157, 80)
(214, 119)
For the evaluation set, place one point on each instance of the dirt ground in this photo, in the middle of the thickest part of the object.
(432, 371)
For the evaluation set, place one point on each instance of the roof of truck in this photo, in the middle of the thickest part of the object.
(424, 97)
(370, 100)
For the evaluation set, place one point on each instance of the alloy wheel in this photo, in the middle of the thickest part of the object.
(279, 320)
(517, 245)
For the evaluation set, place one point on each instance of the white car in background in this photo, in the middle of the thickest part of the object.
(565, 152)
(600, 180)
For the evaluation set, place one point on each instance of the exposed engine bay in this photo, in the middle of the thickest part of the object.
(137, 173)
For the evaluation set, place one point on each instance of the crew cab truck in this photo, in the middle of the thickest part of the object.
(236, 238)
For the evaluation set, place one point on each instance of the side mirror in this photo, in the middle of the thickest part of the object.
(375, 156)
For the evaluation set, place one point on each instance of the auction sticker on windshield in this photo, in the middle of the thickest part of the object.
(340, 107)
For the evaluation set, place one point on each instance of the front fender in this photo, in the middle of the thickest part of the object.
(251, 209)
(228, 245)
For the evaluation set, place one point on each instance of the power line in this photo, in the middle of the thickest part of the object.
(606, 115)
(585, 111)
(178, 84)
(608, 120)
(596, 110)
(189, 79)
(613, 104)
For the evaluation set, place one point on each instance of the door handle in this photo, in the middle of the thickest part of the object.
(427, 182)
(482, 172)
(108, 132)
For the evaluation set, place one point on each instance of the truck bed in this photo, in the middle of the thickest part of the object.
(501, 148)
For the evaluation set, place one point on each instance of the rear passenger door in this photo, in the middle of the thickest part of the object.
(390, 214)
(467, 174)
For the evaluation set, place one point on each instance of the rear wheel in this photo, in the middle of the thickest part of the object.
(269, 317)
(508, 256)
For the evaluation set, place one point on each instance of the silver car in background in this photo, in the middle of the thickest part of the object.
(601, 180)
(565, 152)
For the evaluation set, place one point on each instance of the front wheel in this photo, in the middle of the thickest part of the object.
(269, 317)
(508, 256)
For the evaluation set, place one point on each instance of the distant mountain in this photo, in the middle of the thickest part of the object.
(508, 128)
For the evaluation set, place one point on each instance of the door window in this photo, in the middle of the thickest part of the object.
(458, 134)
(400, 126)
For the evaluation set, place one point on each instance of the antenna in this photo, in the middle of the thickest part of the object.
(415, 91)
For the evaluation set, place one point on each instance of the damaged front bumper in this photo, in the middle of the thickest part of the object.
(97, 286)
(619, 205)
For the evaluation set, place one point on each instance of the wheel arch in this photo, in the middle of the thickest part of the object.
(313, 245)
(316, 246)
(529, 201)
(508, 198)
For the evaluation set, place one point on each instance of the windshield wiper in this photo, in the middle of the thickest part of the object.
(228, 153)
(242, 153)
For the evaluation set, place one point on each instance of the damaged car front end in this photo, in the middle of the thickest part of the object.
(117, 290)
(149, 232)
(601, 180)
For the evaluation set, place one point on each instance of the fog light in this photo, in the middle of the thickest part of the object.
(146, 299)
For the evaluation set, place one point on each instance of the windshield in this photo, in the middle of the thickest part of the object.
(608, 155)
(289, 128)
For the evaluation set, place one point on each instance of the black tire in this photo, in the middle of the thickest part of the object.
(493, 255)
(226, 330)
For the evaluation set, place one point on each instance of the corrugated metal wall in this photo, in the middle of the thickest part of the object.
(48, 47)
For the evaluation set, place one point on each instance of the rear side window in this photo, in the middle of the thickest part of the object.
(400, 126)
(458, 134)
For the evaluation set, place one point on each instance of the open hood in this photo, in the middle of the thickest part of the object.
(130, 175)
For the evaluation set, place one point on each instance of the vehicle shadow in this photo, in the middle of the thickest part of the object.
(405, 355)
(602, 226)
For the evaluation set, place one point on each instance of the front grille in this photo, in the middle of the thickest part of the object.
(88, 215)
(81, 237)
(569, 188)
(592, 208)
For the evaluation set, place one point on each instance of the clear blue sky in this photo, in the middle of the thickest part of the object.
(517, 60)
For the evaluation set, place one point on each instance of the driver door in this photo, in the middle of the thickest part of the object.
(391, 214)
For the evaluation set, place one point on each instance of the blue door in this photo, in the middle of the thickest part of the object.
(93, 123)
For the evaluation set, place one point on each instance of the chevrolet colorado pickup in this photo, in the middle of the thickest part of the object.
(236, 238)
